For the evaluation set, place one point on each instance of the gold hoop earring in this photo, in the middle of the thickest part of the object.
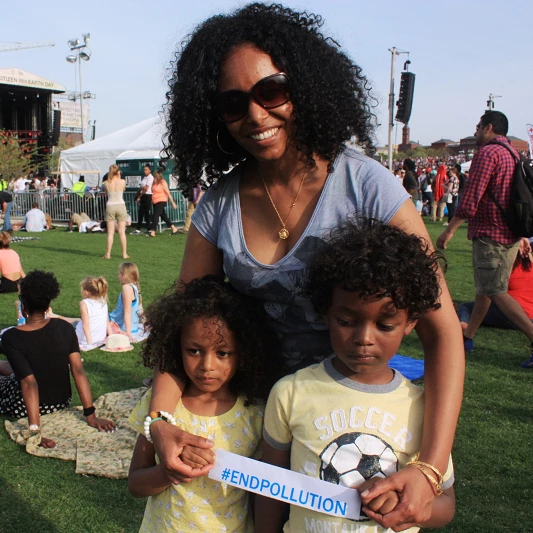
(220, 146)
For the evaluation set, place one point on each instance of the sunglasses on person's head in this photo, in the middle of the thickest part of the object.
(270, 92)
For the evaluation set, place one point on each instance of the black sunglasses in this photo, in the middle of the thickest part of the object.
(270, 92)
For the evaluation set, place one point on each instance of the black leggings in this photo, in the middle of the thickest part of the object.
(159, 211)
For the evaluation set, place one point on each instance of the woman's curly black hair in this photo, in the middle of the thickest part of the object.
(37, 290)
(258, 347)
(330, 95)
(373, 259)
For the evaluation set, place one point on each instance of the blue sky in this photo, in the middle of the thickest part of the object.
(460, 52)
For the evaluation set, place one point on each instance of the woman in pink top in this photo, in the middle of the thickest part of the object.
(10, 266)
(160, 196)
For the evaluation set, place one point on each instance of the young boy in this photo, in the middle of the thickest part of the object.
(351, 419)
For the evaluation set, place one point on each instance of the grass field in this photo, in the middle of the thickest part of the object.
(492, 452)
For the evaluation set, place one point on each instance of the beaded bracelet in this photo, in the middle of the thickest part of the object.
(154, 417)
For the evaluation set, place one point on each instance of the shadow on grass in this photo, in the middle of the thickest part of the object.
(68, 251)
(17, 514)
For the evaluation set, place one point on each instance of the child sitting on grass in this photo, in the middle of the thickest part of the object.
(219, 343)
(352, 420)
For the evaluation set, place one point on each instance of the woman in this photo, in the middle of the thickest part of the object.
(453, 192)
(10, 266)
(160, 195)
(39, 354)
(115, 210)
(439, 194)
(264, 91)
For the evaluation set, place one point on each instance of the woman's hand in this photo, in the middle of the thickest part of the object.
(415, 504)
(169, 442)
(101, 424)
(47, 443)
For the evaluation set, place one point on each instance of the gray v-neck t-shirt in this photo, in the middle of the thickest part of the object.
(357, 185)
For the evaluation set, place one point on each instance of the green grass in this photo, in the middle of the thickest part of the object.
(492, 452)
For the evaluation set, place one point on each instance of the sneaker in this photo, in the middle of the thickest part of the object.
(136, 232)
(468, 344)
(529, 362)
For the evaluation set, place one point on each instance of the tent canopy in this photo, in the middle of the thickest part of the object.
(143, 137)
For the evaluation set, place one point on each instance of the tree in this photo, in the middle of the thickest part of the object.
(16, 158)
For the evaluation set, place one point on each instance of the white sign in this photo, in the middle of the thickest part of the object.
(286, 486)
(71, 116)
(15, 76)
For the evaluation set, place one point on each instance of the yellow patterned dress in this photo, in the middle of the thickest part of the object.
(205, 505)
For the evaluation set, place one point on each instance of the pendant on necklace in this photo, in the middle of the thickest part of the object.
(283, 233)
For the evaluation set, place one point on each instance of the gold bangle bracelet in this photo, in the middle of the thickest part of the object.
(439, 476)
(429, 477)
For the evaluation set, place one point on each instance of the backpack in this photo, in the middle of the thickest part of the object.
(519, 215)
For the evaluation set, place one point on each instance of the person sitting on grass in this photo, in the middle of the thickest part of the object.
(35, 219)
(39, 354)
(372, 282)
(10, 266)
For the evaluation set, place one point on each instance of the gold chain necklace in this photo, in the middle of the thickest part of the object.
(283, 232)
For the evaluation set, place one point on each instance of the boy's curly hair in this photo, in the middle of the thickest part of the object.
(373, 259)
(330, 95)
(257, 344)
(37, 290)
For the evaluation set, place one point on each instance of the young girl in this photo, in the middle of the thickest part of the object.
(220, 345)
(93, 326)
(127, 316)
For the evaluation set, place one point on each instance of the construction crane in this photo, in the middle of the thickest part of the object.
(9, 47)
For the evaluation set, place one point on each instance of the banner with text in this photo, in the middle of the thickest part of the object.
(286, 485)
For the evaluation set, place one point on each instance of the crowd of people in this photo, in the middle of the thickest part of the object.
(305, 260)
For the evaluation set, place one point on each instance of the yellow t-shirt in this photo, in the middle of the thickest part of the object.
(205, 505)
(344, 432)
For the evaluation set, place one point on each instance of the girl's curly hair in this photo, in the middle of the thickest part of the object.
(330, 95)
(257, 344)
(373, 259)
(37, 290)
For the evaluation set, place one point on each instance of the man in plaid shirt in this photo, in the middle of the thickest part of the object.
(494, 245)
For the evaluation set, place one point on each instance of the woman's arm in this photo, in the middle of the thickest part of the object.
(84, 313)
(440, 334)
(30, 395)
(145, 477)
(200, 259)
(127, 299)
(167, 192)
(84, 390)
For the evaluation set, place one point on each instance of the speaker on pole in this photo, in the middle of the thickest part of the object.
(57, 127)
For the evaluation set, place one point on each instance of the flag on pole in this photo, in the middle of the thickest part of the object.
(530, 139)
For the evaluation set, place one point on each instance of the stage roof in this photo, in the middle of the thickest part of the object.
(21, 78)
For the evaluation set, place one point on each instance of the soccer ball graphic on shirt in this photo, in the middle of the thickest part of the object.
(356, 457)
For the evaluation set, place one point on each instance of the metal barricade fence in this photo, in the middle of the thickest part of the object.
(61, 205)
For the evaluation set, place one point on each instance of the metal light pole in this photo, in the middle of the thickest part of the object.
(82, 53)
(394, 52)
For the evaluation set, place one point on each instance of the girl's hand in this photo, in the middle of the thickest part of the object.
(382, 504)
(47, 443)
(101, 424)
(174, 206)
(169, 442)
(415, 499)
(197, 457)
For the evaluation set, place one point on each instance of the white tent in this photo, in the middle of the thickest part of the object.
(100, 154)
